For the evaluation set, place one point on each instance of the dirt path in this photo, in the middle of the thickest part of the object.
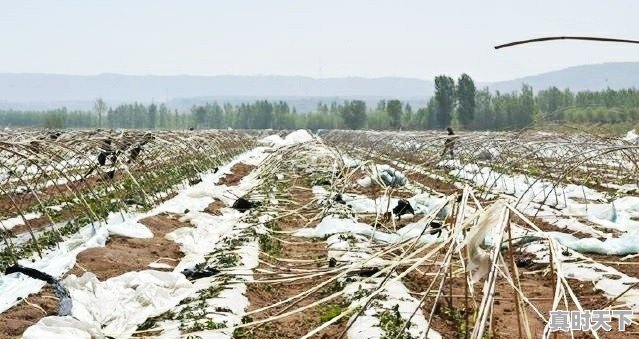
(293, 248)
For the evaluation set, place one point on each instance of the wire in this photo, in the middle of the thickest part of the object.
(587, 38)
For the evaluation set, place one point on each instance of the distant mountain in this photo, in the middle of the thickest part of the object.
(41, 91)
(115, 87)
(587, 77)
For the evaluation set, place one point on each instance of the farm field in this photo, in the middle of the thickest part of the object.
(342, 234)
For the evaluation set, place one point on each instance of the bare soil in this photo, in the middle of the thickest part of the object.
(238, 171)
(261, 295)
(214, 207)
(121, 255)
(16, 319)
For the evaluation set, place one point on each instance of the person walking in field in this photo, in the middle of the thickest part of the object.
(449, 144)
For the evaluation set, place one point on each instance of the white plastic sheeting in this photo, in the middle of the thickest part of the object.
(574, 265)
(63, 328)
(607, 279)
(297, 137)
(351, 246)
(479, 260)
(365, 182)
(632, 136)
(421, 203)
(196, 242)
(351, 162)
(14, 287)
(127, 226)
(229, 306)
(568, 208)
(521, 186)
(292, 138)
(347, 244)
(10, 223)
(334, 225)
(199, 196)
(116, 305)
(57, 262)
(394, 295)
(386, 174)
(627, 243)
(272, 140)
(213, 232)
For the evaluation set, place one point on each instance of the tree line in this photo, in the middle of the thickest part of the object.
(457, 103)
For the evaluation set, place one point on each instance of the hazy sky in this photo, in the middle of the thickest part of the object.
(326, 38)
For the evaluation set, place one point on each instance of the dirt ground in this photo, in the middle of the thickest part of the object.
(214, 207)
(238, 171)
(121, 255)
(294, 248)
(15, 320)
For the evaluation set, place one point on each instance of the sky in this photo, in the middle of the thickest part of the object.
(327, 38)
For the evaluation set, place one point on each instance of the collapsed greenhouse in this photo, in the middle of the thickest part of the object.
(358, 234)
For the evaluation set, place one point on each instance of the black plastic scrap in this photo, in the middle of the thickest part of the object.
(364, 271)
(195, 181)
(523, 262)
(244, 205)
(338, 199)
(321, 182)
(131, 201)
(197, 273)
(436, 228)
(403, 207)
(60, 291)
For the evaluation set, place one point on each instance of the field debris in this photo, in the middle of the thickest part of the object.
(243, 205)
(293, 235)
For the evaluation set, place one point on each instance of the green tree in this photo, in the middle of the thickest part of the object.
(164, 116)
(408, 117)
(484, 113)
(466, 100)
(526, 110)
(353, 114)
(56, 119)
(445, 96)
(99, 108)
(199, 115)
(153, 116)
(394, 111)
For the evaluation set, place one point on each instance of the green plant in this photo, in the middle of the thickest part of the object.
(331, 311)
(270, 245)
(392, 323)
